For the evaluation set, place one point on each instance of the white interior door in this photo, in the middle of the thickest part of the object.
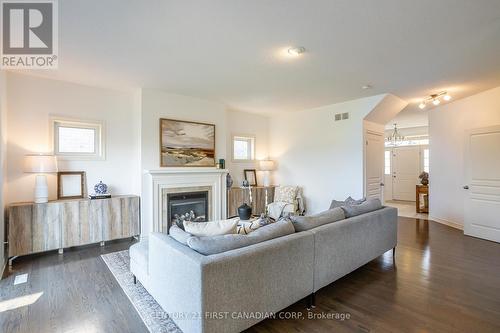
(405, 172)
(482, 188)
(374, 165)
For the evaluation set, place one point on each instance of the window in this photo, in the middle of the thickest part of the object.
(387, 164)
(426, 160)
(243, 148)
(77, 140)
(410, 142)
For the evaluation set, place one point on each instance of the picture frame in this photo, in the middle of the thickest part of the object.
(251, 176)
(70, 185)
(186, 143)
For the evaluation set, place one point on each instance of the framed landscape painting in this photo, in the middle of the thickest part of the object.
(186, 144)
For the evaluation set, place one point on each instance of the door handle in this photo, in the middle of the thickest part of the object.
(466, 187)
(382, 184)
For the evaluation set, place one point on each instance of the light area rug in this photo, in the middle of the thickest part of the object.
(153, 316)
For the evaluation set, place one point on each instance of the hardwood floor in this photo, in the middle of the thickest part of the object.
(79, 294)
(440, 281)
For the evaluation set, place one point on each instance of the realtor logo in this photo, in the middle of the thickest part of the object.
(29, 34)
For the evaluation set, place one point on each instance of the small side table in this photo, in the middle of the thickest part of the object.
(422, 189)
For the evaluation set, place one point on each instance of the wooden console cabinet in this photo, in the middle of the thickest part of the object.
(59, 224)
(236, 196)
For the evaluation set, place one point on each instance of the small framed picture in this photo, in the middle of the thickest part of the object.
(70, 185)
(251, 176)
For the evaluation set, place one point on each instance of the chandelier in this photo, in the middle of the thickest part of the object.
(395, 138)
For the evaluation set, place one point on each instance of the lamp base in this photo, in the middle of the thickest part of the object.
(41, 189)
(266, 181)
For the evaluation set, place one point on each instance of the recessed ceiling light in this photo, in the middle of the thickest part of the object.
(366, 86)
(296, 51)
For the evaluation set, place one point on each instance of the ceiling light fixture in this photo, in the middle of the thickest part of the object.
(395, 138)
(435, 99)
(296, 51)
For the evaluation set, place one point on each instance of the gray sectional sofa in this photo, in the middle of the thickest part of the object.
(233, 290)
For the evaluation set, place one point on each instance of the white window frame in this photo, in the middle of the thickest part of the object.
(99, 138)
(252, 140)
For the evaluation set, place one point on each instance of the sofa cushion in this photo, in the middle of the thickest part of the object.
(223, 243)
(302, 223)
(347, 202)
(139, 253)
(363, 208)
(213, 228)
(178, 234)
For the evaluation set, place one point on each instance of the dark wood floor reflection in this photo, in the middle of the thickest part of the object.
(77, 294)
(441, 281)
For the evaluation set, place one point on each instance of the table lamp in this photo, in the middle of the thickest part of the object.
(40, 164)
(266, 166)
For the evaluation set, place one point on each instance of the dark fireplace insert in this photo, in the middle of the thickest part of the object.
(187, 206)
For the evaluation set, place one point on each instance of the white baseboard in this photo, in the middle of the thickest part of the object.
(446, 222)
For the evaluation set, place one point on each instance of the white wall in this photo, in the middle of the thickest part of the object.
(3, 138)
(30, 102)
(323, 156)
(447, 126)
(156, 104)
(243, 123)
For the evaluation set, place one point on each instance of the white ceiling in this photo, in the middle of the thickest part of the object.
(231, 50)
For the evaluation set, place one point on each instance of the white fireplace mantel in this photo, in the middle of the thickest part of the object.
(156, 180)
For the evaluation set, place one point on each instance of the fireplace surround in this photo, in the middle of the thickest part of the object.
(159, 184)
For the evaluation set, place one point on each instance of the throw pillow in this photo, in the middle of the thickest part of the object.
(178, 234)
(302, 223)
(363, 208)
(351, 202)
(214, 228)
(285, 194)
(244, 228)
(223, 243)
(347, 202)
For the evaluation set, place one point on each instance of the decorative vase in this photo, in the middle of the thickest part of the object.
(101, 188)
(229, 181)
(244, 212)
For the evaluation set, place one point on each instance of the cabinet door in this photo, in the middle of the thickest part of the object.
(78, 227)
(19, 224)
(130, 216)
(112, 219)
(46, 227)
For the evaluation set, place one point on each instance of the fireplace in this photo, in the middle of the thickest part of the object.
(187, 206)
(160, 184)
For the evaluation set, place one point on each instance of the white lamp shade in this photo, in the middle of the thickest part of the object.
(40, 163)
(266, 165)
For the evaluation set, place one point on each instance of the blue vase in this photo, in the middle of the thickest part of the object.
(101, 188)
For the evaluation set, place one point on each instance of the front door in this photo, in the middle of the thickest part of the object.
(482, 186)
(406, 168)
